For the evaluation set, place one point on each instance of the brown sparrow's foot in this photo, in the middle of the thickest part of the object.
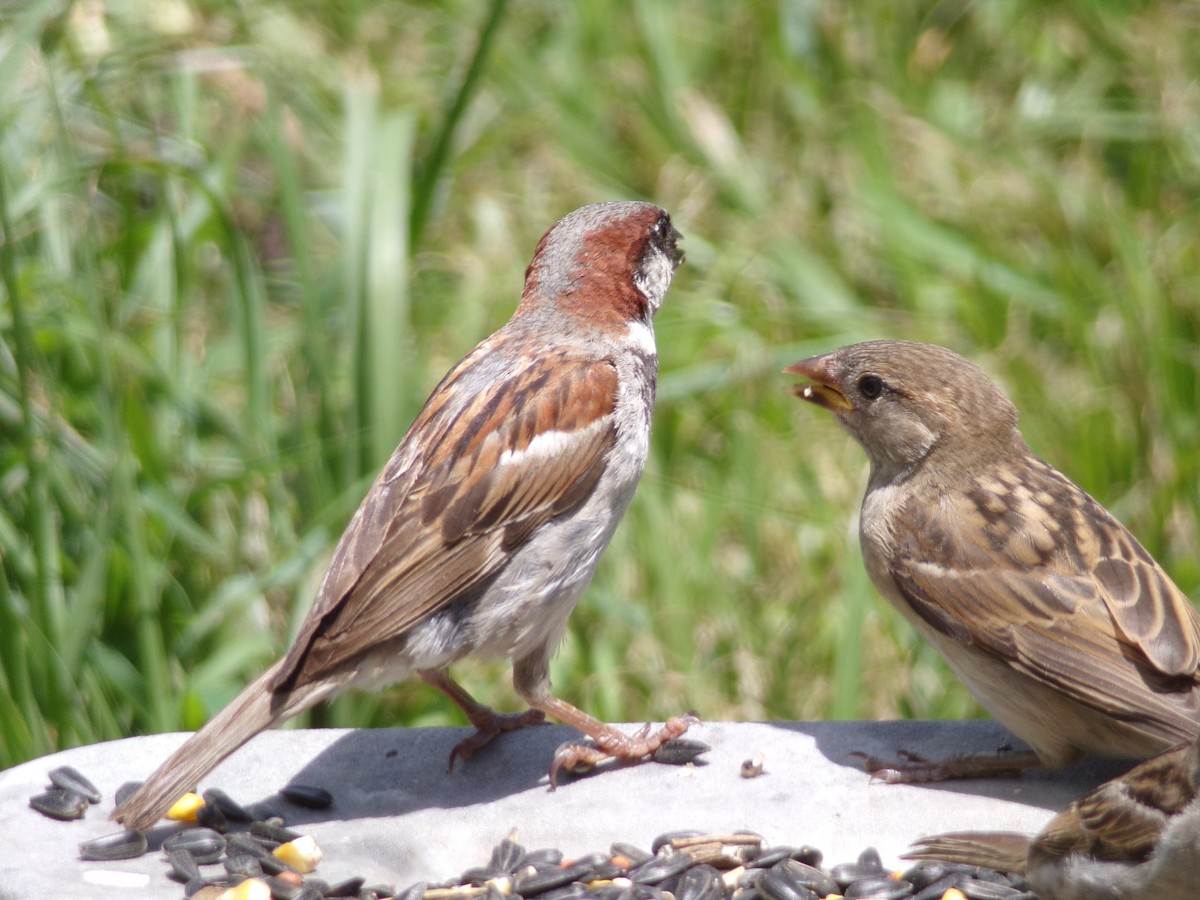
(914, 769)
(488, 725)
(578, 757)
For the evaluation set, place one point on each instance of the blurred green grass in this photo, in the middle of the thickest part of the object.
(241, 242)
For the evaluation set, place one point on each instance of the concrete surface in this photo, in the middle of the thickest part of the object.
(398, 817)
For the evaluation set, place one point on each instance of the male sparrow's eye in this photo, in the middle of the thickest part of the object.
(870, 386)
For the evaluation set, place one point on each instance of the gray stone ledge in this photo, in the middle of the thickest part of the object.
(398, 817)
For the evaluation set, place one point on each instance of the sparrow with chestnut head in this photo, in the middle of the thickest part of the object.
(486, 524)
(1056, 618)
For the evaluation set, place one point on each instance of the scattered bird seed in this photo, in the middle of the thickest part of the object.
(679, 751)
(273, 831)
(230, 808)
(548, 856)
(506, 856)
(243, 864)
(301, 854)
(125, 791)
(879, 888)
(272, 862)
(307, 795)
(61, 804)
(210, 816)
(183, 865)
(662, 867)
(122, 845)
(186, 808)
(663, 839)
(71, 779)
(752, 768)
(204, 844)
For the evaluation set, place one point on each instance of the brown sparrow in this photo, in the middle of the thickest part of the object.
(1137, 836)
(486, 524)
(1050, 611)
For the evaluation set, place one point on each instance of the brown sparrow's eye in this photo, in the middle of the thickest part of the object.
(870, 386)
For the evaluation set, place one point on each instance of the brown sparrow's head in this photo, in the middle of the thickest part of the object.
(608, 263)
(907, 403)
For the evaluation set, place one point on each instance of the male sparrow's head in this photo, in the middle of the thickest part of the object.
(907, 403)
(608, 263)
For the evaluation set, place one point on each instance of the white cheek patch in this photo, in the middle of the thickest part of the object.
(653, 277)
(641, 337)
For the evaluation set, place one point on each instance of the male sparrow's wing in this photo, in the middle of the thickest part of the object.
(481, 468)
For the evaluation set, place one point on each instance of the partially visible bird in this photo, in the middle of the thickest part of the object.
(1136, 837)
(1056, 618)
(486, 524)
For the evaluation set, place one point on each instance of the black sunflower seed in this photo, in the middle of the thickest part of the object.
(572, 891)
(846, 874)
(122, 845)
(210, 816)
(230, 808)
(272, 831)
(661, 868)
(547, 879)
(183, 865)
(806, 876)
(769, 856)
(60, 804)
(506, 855)
(71, 779)
(204, 844)
(308, 795)
(775, 884)
(413, 892)
(679, 751)
(869, 859)
(196, 885)
(810, 856)
(935, 889)
(975, 889)
(636, 855)
(243, 864)
(544, 856)
(125, 791)
(349, 887)
(878, 889)
(700, 883)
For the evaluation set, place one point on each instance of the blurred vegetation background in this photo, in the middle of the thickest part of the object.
(242, 241)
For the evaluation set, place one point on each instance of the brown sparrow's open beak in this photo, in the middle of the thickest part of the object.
(823, 391)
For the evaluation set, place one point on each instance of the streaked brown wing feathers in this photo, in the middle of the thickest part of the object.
(1054, 621)
(526, 448)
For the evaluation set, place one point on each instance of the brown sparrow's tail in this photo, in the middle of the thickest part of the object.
(254, 709)
(1005, 851)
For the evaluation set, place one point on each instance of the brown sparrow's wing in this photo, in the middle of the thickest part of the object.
(1038, 574)
(1005, 851)
(1122, 820)
(487, 461)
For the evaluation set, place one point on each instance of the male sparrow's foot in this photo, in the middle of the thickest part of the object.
(578, 757)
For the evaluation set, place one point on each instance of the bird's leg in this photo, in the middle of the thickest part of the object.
(488, 723)
(531, 678)
(914, 769)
